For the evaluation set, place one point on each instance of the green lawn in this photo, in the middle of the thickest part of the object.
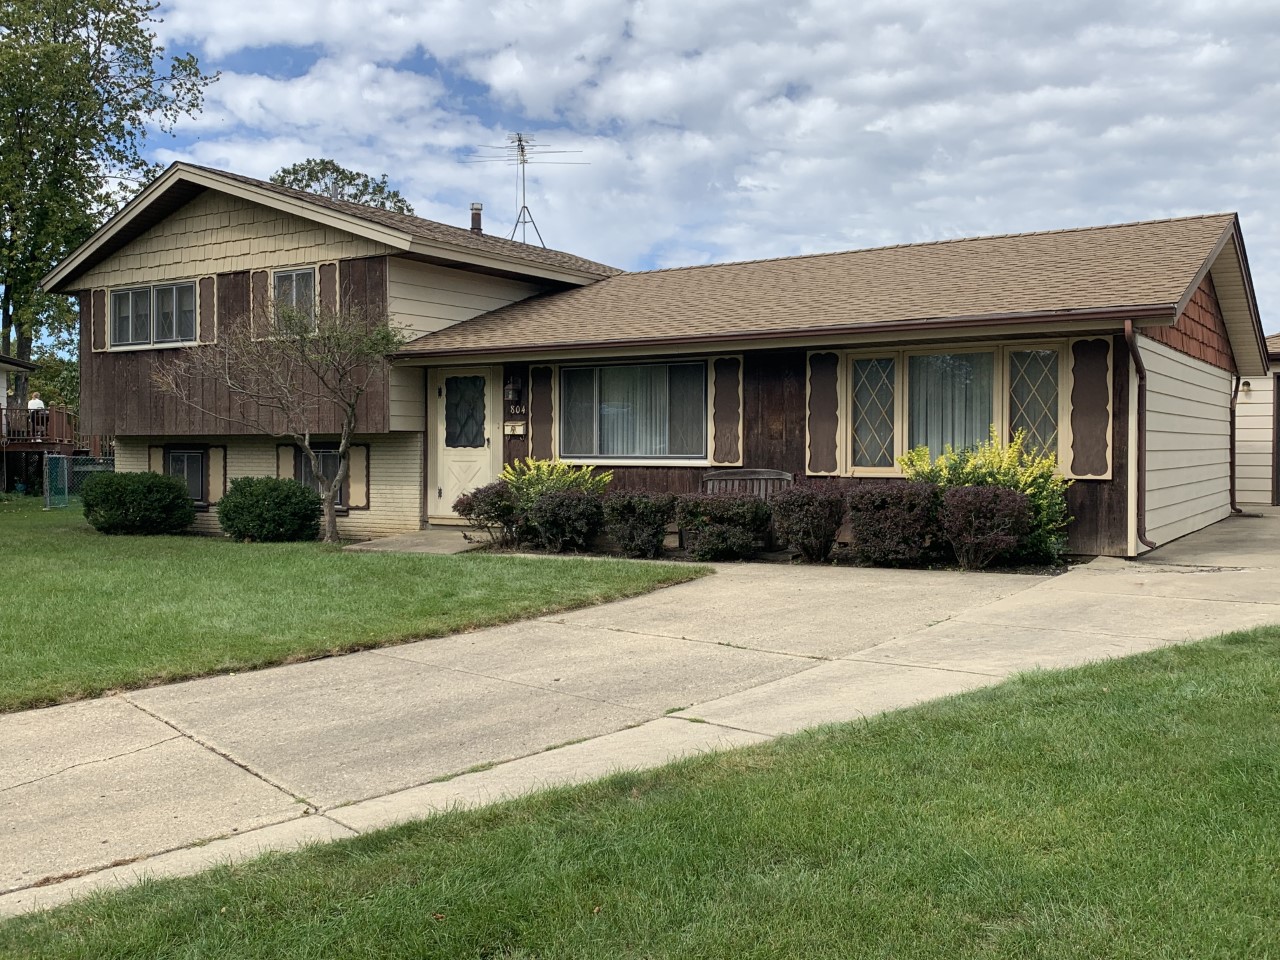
(1126, 809)
(84, 613)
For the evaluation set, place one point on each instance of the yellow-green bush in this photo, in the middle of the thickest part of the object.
(529, 479)
(1011, 465)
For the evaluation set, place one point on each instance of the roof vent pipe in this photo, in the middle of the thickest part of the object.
(475, 218)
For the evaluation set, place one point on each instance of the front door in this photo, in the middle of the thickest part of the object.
(468, 440)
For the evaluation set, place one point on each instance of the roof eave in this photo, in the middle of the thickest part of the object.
(437, 251)
(13, 363)
(1148, 314)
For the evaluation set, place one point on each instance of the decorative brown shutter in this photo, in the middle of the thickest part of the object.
(155, 459)
(286, 468)
(356, 496)
(823, 423)
(541, 416)
(207, 309)
(328, 288)
(726, 411)
(217, 468)
(1089, 456)
(98, 320)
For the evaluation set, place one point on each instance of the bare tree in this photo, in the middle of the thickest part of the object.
(285, 370)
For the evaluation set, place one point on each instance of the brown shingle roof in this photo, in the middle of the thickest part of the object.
(1273, 345)
(429, 230)
(1146, 264)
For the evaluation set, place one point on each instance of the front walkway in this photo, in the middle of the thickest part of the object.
(173, 779)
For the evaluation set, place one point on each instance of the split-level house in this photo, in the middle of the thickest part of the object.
(1120, 348)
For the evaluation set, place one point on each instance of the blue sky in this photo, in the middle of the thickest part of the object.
(745, 129)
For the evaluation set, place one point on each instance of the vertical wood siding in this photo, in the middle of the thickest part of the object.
(1255, 441)
(1188, 442)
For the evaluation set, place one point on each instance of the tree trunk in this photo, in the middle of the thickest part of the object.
(330, 519)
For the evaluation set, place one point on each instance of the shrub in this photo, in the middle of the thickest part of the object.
(807, 519)
(893, 523)
(137, 503)
(267, 510)
(1010, 465)
(565, 518)
(529, 479)
(981, 523)
(722, 526)
(637, 522)
(492, 508)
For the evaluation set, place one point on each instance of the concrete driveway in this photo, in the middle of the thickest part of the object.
(171, 779)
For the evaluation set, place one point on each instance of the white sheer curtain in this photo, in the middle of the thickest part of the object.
(633, 411)
(950, 400)
(578, 421)
(654, 410)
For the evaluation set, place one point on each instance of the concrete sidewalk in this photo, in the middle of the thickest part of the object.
(172, 779)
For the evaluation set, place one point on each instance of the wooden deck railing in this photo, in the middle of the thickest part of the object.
(53, 425)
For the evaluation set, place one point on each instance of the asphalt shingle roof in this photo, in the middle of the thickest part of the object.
(1126, 265)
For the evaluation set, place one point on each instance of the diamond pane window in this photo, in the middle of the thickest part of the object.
(873, 393)
(1033, 397)
(464, 412)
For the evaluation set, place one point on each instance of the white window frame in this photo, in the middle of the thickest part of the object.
(152, 342)
(1000, 382)
(313, 273)
(633, 461)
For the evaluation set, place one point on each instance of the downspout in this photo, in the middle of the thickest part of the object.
(1235, 393)
(1132, 342)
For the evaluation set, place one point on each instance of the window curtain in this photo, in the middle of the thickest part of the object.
(633, 411)
(950, 400)
(655, 410)
(578, 421)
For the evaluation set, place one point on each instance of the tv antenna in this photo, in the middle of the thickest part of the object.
(520, 150)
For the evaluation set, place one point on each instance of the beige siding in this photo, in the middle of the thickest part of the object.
(1255, 426)
(423, 298)
(394, 480)
(1188, 442)
(217, 233)
(408, 398)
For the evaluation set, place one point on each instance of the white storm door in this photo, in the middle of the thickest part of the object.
(468, 439)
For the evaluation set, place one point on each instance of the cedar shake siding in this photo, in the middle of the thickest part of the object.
(1201, 331)
(119, 398)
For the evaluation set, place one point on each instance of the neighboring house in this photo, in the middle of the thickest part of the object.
(27, 436)
(1117, 347)
(1257, 449)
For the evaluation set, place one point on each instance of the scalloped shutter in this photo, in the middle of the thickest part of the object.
(285, 468)
(823, 414)
(726, 411)
(217, 467)
(541, 415)
(1089, 455)
(155, 459)
(98, 320)
(357, 492)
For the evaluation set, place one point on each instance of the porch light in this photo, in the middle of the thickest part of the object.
(511, 392)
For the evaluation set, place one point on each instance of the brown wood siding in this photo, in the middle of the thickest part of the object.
(727, 410)
(208, 301)
(1200, 332)
(540, 415)
(824, 413)
(515, 446)
(1089, 393)
(118, 396)
(1101, 507)
(773, 410)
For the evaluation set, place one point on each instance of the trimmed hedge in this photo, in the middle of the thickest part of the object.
(565, 518)
(722, 526)
(983, 522)
(267, 510)
(637, 522)
(144, 504)
(807, 518)
(894, 523)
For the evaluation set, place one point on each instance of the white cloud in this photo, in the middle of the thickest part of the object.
(728, 128)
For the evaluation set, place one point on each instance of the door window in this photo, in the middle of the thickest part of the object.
(464, 412)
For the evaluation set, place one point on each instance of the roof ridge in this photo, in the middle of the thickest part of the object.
(931, 243)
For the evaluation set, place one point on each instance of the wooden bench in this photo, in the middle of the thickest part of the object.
(763, 483)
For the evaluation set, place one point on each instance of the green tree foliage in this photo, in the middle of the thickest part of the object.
(82, 85)
(328, 179)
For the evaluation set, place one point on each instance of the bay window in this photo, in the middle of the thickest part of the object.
(641, 411)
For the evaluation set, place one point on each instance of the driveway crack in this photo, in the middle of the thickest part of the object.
(310, 807)
(87, 763)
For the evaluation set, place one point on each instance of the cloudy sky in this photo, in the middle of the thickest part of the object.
(716, 130)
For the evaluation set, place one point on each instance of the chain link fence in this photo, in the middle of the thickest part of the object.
(64, 477)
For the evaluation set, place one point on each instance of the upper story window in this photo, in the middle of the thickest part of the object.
(159, 314)
(295, 290)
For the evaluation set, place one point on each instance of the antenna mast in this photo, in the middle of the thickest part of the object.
(520, 150)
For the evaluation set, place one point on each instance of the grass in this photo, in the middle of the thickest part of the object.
(86, 613)
(1121, 810)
